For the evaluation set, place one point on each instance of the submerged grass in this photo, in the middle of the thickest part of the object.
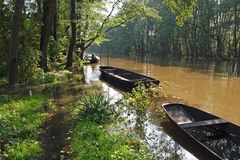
(20, 119)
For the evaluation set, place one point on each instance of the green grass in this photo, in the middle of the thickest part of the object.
(27, 149)
(91, 141)
(20, 119)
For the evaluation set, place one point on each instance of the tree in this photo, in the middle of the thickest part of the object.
(94, 21)
(211, 31)
(49, 9)
(73, 34)
(14, 40)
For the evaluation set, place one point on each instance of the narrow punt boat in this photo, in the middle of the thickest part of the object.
(123, 79)
(220, 138)
(92, 58)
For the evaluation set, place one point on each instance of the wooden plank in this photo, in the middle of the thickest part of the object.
(202, 123)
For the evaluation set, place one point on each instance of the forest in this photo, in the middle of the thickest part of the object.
(36, 33)
(212, 32)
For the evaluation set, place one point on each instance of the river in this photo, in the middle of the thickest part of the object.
(209, 86)
(204, 85)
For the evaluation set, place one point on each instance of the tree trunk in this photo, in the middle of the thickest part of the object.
(55, 24)
(235, 32)
(73, 34)
(49, 10)
(13, 44)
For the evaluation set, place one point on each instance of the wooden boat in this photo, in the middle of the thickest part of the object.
(220, 138)
(123, 79)
(92, 58)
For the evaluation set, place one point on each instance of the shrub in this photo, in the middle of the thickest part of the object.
(141, 97)
(97, 109)
(30, 73)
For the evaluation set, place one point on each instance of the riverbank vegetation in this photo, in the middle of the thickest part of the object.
(103, 130)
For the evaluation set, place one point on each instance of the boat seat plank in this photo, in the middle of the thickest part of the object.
(120, 74)
(202, 123)
(124, 74)
(134, 79)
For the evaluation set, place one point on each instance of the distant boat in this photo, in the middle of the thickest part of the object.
(123, 79)
(220, 138)
(92, 58)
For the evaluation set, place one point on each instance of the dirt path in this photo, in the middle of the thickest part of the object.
(57, 129)
(56, 134)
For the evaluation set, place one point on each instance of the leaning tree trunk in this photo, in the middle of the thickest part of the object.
(49, 10)
(13, 44)
(73, 34)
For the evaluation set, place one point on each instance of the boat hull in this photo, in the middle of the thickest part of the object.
(219, 138)
(123, 79)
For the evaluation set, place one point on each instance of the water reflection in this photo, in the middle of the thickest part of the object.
(212, 67)
(150, 131)
(91, 73)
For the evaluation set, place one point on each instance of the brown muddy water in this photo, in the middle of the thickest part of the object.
(216, 92)
(204, 85)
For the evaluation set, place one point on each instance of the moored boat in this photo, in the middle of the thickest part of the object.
(92, 58)
(124, 79)
(220, 138)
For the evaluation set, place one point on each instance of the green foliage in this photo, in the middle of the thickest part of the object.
(57, 76)
(28, 149)
(97, 109)
(78, 63)
(183, 9)
(141, 98)
(29, 54)
(30, 73)
(20, 119)
(96, 20)
(91, 141)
